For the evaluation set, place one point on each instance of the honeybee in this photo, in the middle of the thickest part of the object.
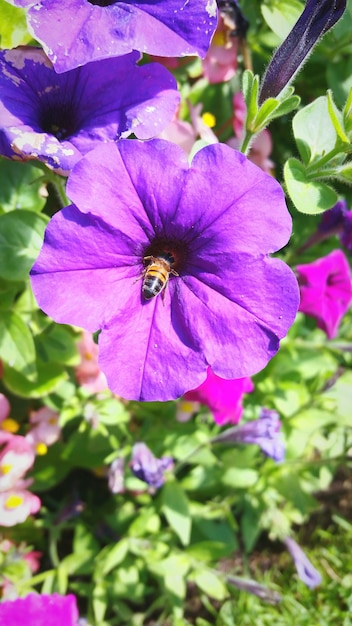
(157, 274)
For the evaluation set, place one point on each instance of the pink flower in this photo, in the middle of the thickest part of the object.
(45, 429)
(16, 505)
(326, 290)
(88, 373)
(184, 134)
(4, 407)
(223, 397)
(16, 457)
(220, 63)
(40, 610)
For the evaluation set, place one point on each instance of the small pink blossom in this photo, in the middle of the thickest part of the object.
(223, 397)
(88, 373)
(16, 457)
(326, 290)
(220, 63)
(45, 427)
(184, 134)
(16, 505)
(4, 407)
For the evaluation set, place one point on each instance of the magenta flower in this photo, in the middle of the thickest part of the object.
(223, 397)
(58, 118)
(226, 303)
(326, 290)
(305, 570)
(40, 610)
(149, 468)
(75, 32)
(263, 432)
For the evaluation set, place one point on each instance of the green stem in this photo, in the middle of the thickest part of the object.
(246, 142)
(320, 163)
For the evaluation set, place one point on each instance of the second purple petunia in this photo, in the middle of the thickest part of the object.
(208, 228)
(56, 118)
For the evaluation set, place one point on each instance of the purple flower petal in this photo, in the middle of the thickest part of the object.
(147, 467)
(58, 118)
(40, 610)
(75, 32)
(305, 570)
(226, 310)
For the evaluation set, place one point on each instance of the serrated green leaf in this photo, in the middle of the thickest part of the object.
(211, 584)
(336, 118)
(308, 196)
(17, 347)
(176, 510)
(281, 16)
(21, 237)
(13, 26)
(20, 186)
(314, 131)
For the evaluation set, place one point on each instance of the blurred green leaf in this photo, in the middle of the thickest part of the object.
(176, 510)
(211, 583)
(49, 377)
(21, 238)
(13, 26)
(281, 16)
(17, 346)
(314, 131)
(20, 184)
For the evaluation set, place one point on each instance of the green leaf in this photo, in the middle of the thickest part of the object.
(114, 556)
(57, 344)
(247, 84)
(20, 186)
(13, 26)
(176, 511)
(314, 131)
(336, 118)
(211, 584)
(17, 347)
(264, 114)
(49, 377)
(281, 16)
(239, 478)
(286, 106)
(21, 237)
(339, 76)
(308, 196)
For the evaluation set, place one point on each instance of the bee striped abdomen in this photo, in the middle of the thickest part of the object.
(155, 277)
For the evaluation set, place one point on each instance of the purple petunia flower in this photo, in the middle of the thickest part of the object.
(338, 220)
(147, 467)
(40, 610)
(305, 570)
(264, 432)
(326, 290)
(226, 303)
(75, 32)
(58, 118)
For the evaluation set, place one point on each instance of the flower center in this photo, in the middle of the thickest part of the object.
(13, 501)
(58, 120)
(175, 253)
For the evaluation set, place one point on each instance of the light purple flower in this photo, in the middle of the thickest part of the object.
(58, 118)
(40, 610)
(326, 290)
(305, 570)
(75, 32)
(116, 476)
(149, 468)
(264, 432)
(228, 304)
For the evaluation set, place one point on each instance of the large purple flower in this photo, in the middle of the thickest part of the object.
(58, 118)
(74, 32)
(226, 303)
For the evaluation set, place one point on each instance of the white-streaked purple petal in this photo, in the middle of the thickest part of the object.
(57, 118)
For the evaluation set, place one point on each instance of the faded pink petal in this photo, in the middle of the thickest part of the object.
(4, 407)
(16, 505)
(88, 373)
(16, 457)
(220, 63)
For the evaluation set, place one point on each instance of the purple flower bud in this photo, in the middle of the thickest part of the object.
(317, 18)
(305, 570)
(264, 432)
(147, 467)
